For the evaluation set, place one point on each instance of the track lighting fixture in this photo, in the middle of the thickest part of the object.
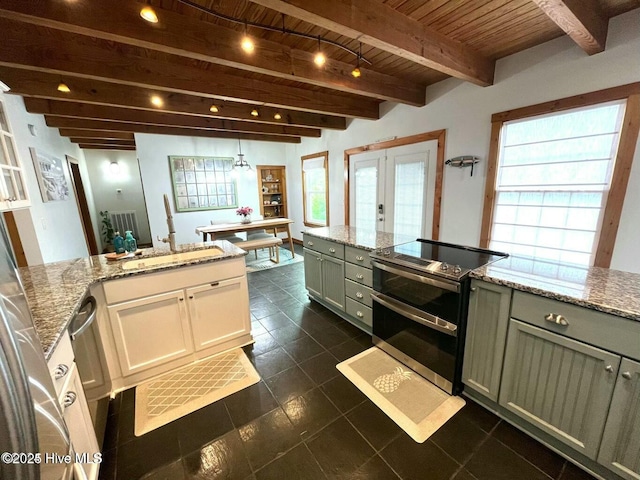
(277, 116)
(157, 101)
(255, 113)
(62, 87)
(214, 109)
(149, 14)
(247, 44)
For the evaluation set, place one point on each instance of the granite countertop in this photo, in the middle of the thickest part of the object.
(359, 238)
(609, 291)
(55, 290)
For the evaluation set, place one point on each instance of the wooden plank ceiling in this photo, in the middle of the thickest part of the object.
(114, 62)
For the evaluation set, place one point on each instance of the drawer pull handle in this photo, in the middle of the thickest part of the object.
(359, 314)
(360, 258)
(332, 250)
(60, 371)
(473, 289)
(181, 299)
(191, 296)
(557, 319)
(609, 369)
(359, 295)
(626, 375)
(310, 243)
(69, 399)
(359, 276)
(215, 284)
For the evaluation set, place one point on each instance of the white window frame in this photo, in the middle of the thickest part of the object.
(314, 161)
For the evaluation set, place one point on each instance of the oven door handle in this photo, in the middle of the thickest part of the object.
(445, 285)
(423, 318)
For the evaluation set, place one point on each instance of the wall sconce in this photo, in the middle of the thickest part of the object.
(463, 161)
(114, 168)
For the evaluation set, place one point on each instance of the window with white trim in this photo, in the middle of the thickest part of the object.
(12, 187)
(554, 173)
(315, 189)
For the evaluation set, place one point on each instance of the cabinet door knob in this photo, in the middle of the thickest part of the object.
(359, 314)
(557, 319)
(609, 369)
(360, 258)
(332, 250)
(60, 371)
(472, 289)
(190, 296)
(626, 375)
(181, 299)
(310, 243)
(69, 399)
(359, 276)
(359, 295)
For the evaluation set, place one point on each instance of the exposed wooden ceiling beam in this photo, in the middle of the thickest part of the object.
(102, 134)
(582, 20)
(119, 21)
(43, 85)
(381, 26)
(30, 47)
(103, 141)
(92, 146)
(101, 112)
(81, 123)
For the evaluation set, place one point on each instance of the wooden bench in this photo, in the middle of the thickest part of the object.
(270, 242)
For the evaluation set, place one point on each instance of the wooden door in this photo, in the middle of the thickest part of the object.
(559, 385)
(83, 206)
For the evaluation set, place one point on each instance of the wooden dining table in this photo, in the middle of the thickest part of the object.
(270, 224)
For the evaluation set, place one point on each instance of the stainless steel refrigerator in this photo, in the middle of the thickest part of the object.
(33, 437)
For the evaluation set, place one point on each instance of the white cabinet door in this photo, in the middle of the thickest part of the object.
(218, 312)
(78, 420)
(151, 331)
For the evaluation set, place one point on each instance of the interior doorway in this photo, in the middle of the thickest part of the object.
(396, 186)
(14, 238)
(83, 206)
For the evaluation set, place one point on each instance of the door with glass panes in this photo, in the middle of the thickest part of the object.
(393, 190)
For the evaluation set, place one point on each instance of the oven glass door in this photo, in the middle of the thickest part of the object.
(437, 297)
(433, 346)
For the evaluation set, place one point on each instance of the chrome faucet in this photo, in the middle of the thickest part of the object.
(171, 239)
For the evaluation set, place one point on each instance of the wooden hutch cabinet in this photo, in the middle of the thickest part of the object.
(272, 191)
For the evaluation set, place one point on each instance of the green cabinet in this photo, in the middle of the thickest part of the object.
(487, 323)
(324, 271)
(620, 449)
(559, 385)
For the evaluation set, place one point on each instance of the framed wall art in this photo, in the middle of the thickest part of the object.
(203, 183)
(50, 173)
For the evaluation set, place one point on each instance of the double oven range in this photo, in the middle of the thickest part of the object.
(420, 302)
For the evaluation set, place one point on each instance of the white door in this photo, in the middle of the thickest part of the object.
(393, 190)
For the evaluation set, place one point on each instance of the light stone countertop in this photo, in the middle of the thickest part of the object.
(609, 291)
(55, 290)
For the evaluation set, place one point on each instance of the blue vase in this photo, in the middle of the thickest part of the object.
(130, 244)
(118, 243)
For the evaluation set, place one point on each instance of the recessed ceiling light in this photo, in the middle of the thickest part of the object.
(214, 109)
(277, 116)
(157, 101)
(62, 87)
(254, 113)
(247, 44)
(149, 14)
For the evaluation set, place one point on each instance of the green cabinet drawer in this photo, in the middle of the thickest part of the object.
(327, 247)
(358, 292)
(357, 256)
(359, 274)
(359, 312)
(606, 331)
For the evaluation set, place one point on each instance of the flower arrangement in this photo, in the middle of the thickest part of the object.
(244, 211)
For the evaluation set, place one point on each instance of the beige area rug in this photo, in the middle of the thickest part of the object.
(263, 262)
(415, 404)
(180, 392)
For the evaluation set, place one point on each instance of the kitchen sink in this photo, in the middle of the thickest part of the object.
(172, 258)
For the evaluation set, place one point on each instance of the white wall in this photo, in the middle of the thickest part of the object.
(49, 231)
(118, 192)
(153, 152)
(550, 71)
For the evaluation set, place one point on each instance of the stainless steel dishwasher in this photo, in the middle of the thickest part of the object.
(91, 363)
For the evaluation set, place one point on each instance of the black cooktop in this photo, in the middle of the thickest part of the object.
(444, 259)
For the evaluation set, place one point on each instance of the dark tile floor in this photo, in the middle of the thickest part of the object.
(304, 420)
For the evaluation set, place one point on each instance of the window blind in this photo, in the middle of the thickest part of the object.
(554, 173)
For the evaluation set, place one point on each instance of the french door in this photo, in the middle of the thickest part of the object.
(393, 190)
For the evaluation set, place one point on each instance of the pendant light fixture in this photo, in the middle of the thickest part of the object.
(247, 44)
(356, 73)
(319, 59)
(241, 165)
(149, 14)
